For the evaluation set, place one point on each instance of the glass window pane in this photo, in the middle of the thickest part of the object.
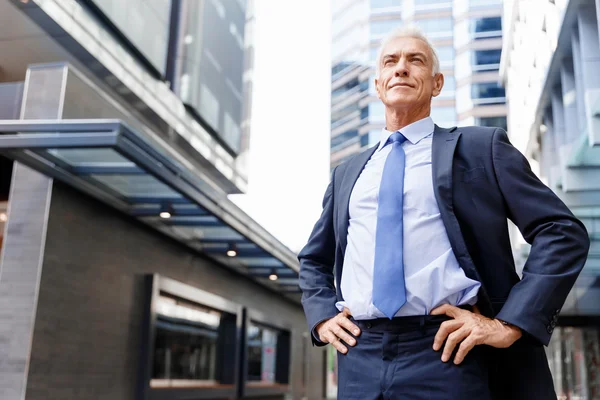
(487, 90)
(436, 27)
(262, 345)
(445, 55)
(144, 24)
(210, 65)
(384, 27)
(385, 3)
(189, 339)
(498, 122)
(486, 59)
(449, 87)
(443, 115)
(487, 24)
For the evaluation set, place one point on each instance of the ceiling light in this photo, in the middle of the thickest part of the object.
(232, 251)
(543, 128)
(167, 211)
(273, 276)
(3, 217)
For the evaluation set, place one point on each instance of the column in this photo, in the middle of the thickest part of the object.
(25, 237)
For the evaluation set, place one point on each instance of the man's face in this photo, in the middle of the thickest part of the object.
(406, 74)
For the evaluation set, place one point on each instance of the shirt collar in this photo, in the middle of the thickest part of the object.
(414, 132)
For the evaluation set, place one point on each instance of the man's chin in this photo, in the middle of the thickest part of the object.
(400, 102)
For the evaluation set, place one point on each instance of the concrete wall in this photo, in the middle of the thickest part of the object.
(87, 328)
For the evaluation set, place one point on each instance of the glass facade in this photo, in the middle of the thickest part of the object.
(485, 60)
(145, 23)
(209, 65)
(190, 343)
(574, 357)
(262, 353)
(357, 115)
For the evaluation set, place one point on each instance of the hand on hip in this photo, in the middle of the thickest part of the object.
(468, 329)
(335, 331)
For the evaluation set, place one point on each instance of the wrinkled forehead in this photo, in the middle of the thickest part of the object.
(407, 45)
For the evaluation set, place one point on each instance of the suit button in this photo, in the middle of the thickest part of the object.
(549, 329)
(368, 325)
(553, 324)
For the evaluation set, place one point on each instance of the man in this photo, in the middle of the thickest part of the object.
(426, 302)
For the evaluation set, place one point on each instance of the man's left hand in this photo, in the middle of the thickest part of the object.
(470, 329)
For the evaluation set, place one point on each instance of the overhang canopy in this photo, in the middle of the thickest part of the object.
(117, 165)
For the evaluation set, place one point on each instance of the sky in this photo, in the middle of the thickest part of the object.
(288, 164)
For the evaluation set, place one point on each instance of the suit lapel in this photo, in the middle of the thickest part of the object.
(442, 157)
(349, 179)
(443, 146)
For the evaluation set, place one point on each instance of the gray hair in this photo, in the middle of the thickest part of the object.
(410, 31)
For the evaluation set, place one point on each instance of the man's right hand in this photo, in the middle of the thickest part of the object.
(335, 331)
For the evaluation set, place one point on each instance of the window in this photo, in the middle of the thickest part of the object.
(376, 112)
(486, 60)
(428, 5)
(262, 354)
(208, 66)
(189, 343)
(147, 27)
(446, 56)
(498, 122)
(384, 27)
(484, 28)
(385, 3)
(338, 141)
(488, 90)
(449, 88)
(443, 115)
(268, 356)
(436, 28)
(477, 4)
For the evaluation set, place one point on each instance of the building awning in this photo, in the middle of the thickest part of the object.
(120, 167)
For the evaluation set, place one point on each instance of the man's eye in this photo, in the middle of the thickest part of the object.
(387, 62)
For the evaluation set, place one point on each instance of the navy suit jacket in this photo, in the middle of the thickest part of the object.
(480, 181)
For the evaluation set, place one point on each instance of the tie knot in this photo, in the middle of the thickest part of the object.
(397, 137)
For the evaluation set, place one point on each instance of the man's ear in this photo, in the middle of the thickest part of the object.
(438, 84)
(377, 89)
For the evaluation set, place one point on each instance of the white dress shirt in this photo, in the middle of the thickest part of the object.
(432, 274)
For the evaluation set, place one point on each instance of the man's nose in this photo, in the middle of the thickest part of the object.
(401, 68)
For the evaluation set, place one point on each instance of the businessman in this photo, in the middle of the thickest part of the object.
(409, 273)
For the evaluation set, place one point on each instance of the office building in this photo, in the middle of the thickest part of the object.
(467, 35)
(550, 63)
(126, 271)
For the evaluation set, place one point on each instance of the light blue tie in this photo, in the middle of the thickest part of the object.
(389, 290)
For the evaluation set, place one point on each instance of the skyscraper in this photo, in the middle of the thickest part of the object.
(550, 64)
(467, 35)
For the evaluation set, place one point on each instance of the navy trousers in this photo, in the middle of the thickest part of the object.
(394, 359)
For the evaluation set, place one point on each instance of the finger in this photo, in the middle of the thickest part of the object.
(339, 346)
(454, 339)
(349, 326)
(446, 328)
(465, 347)
(446, 309)
(476, 310)
(346, 312)
(343, 335)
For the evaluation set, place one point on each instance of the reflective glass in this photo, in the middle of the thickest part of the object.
(189, 343)
(145, 23)
(210, 65)
(262, 353)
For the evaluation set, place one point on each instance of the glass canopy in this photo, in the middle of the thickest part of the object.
(111, 162)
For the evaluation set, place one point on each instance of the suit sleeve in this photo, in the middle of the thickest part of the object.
(317, 260)
(559, 243)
